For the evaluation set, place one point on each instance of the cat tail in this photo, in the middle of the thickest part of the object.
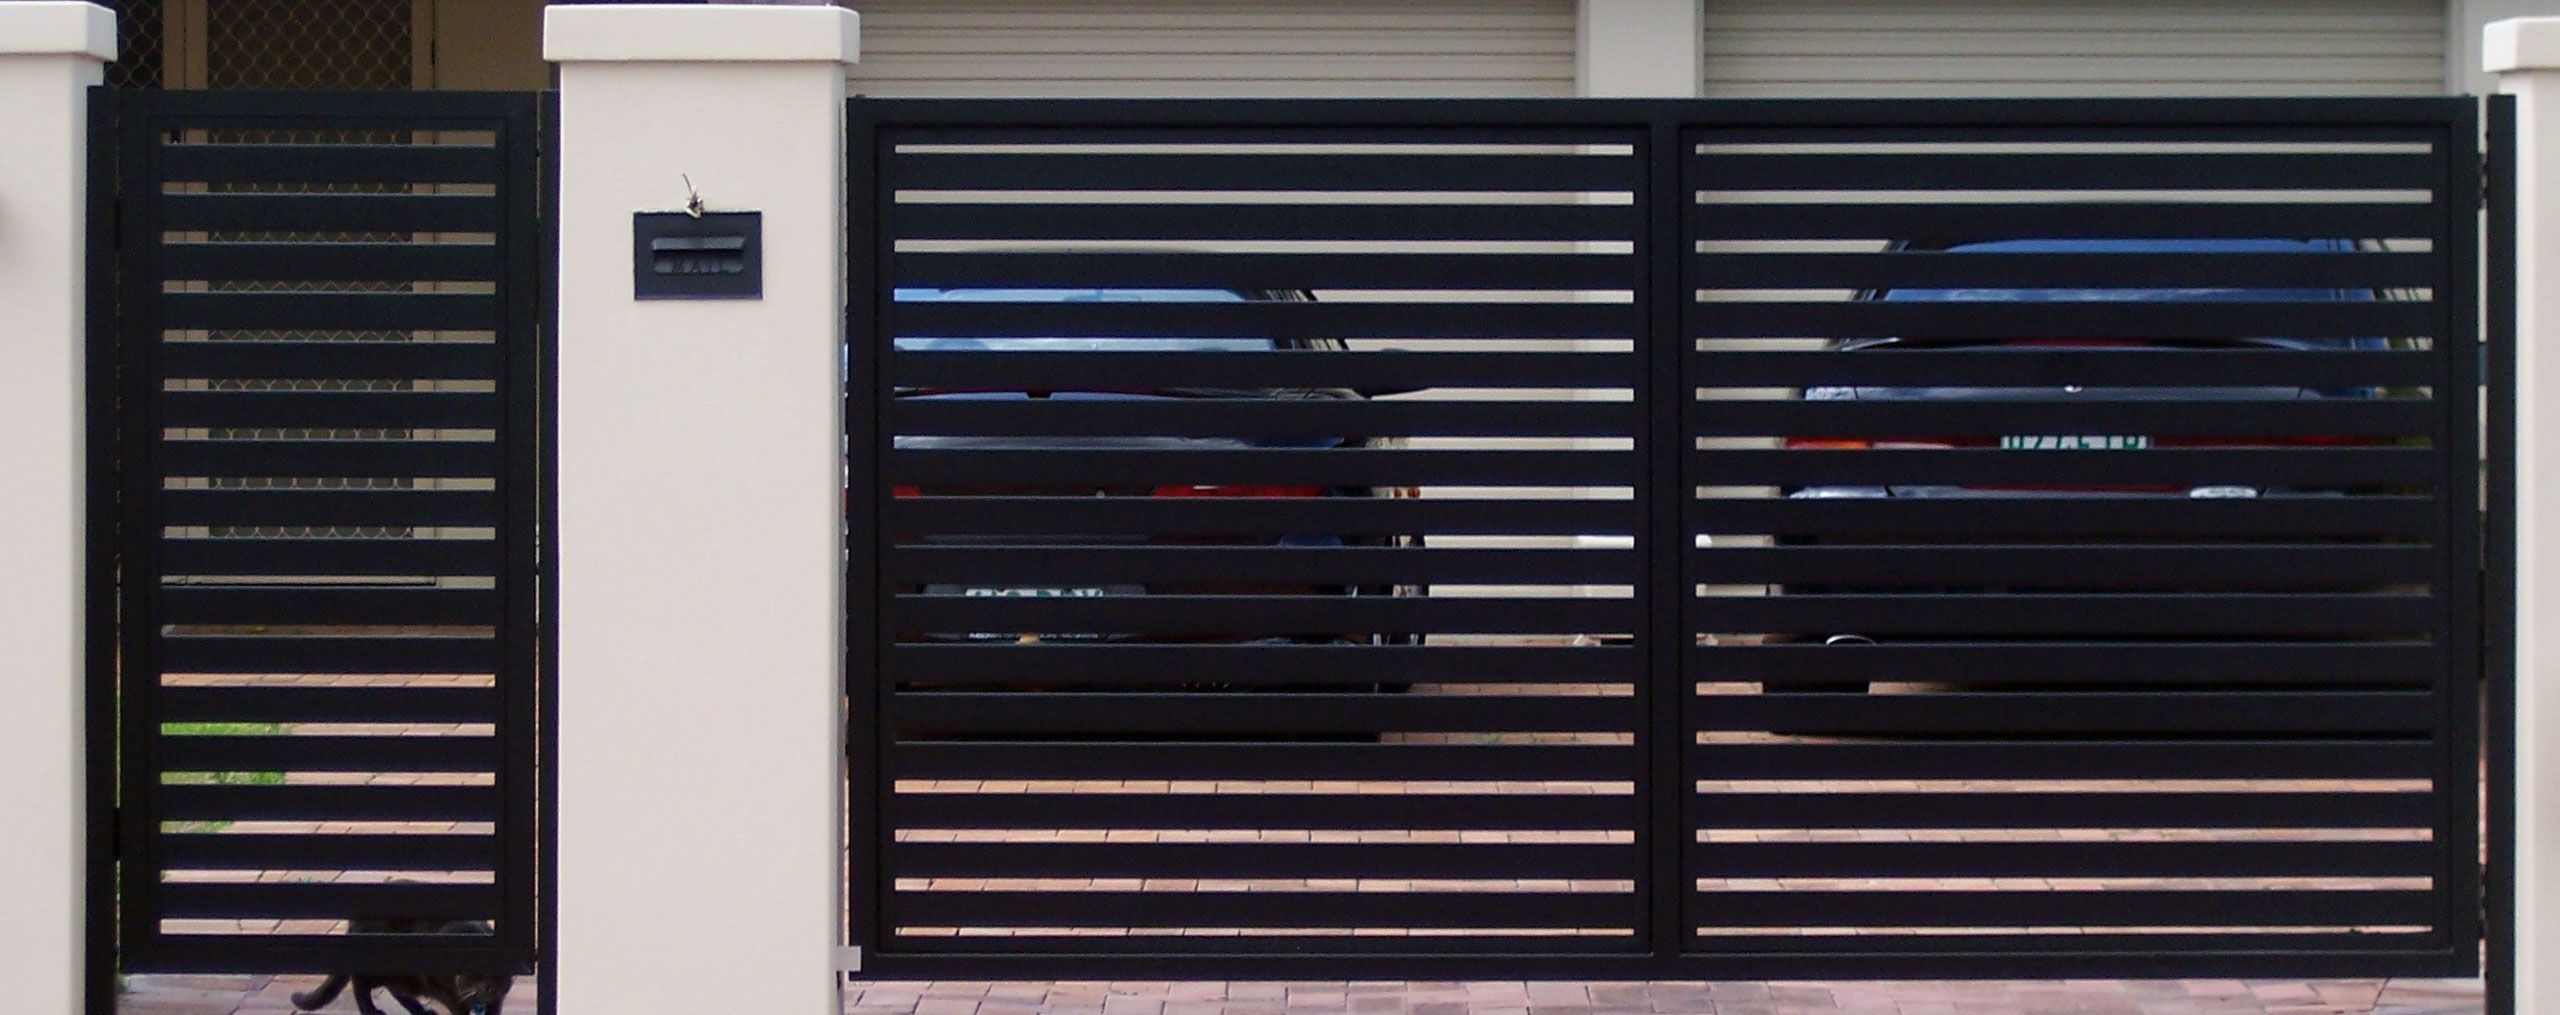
(320, 996)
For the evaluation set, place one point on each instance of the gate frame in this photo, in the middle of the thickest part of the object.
(1662, 124)
(120, 474)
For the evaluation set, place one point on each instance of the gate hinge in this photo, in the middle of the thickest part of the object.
(849, 960)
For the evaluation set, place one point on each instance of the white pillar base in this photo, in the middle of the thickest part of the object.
(700, 503)
(50, 54)
(2525, 55)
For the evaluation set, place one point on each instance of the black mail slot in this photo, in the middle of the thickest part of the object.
(716, 256)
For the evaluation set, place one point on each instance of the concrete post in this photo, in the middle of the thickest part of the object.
(1638, 48)
(700, 506)
(2525, 55)
(50, 54)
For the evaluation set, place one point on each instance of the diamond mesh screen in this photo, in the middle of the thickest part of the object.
(138, 45)
(306, 44)
(295, 44)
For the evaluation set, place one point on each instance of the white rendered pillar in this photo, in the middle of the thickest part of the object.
(50, 54)
(701, 616)
(2525, 55)
(1638, 48)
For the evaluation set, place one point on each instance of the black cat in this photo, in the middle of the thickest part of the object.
(459, 993)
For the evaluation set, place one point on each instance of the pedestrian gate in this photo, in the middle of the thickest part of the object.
(314, 375)
(1689, 539)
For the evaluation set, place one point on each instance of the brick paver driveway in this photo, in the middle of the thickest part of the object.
(244, 995)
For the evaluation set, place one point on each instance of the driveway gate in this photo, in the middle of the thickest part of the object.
(1627, 539)
(315, 366)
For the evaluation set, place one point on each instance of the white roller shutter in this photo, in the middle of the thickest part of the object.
(2073, 47)
(1214, 48)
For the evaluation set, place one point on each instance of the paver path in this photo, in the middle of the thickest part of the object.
(245, 995)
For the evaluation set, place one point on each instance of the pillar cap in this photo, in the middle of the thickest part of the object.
(2520, 44)
(57, 28)
(699, 33)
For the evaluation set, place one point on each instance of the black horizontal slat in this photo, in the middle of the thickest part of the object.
(1262, 320)
(2204, 567)
(219, 802)
(953, 714)
(1374, 811)
(220, 953)
(1085, 759)
(307, 557)
(2116, 908)
(2143, 713)
(2065, 810)
(1357, 565)
(2083, 663)
(289, 900)
(2066, 516)
(2141, 953)
(328, 508)
(2378, 859)
(1295, 615)
(1267, 516)
(329, 262)
(250, 604)
(2054, 368)
(1259, 860)
(1262, 664)
(2061, 171)
(325, 654)
(318, 753)
(321, 851)
(328, 704)
(332, 311)
(1326, 467)
(912, 122)
(1260, 417)
(330, 163)
(2311, 467)
(1295, 221)
(1922, 269)
(1186, 269)
(2128, 615)
(2083, 319)
(227, 360)
(2238, 420)
(1259, 171)
(1294, 956)
(1271, 908)
(398, 410)
(354, 459)
(1122, 371)
(1509, 909)
(423, 213)
(1956, 222)
(2076, 758)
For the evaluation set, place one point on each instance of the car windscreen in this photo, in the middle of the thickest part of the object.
(1129, 343)
(2204, 247)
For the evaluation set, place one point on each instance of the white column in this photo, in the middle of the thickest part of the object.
(2525, 55)
(50, 54)
(700, 620)
(1638, 48)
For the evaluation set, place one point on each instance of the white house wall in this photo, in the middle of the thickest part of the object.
(1757, 48)
(1216, 48)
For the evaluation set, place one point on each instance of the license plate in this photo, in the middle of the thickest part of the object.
(1035, 593)
(2074, 442)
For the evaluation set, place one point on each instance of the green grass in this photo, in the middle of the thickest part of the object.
(203, 729)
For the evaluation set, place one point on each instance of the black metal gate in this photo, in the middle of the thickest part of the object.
(1627, 539)
(317, 352)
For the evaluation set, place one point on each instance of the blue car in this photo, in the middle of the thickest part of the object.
(1075, 443)
(2235, 487)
